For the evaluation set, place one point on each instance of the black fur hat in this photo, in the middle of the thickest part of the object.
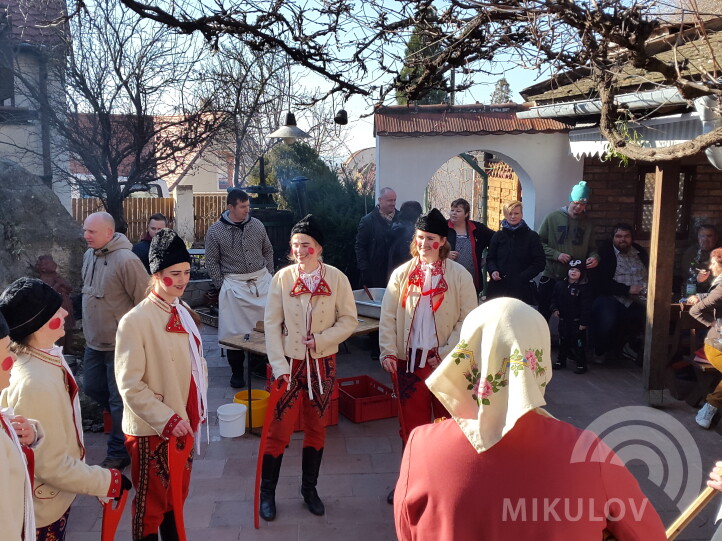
(167, 249)
(308, 225)
(433, 222)
(4, 331)
(27, 304)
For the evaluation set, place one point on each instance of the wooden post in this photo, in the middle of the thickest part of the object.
(661, 265)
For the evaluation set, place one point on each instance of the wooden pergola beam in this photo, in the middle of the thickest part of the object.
(661, 266)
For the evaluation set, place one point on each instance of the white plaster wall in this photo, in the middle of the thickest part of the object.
(546, 169)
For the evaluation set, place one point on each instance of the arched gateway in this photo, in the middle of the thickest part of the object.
(413, 142)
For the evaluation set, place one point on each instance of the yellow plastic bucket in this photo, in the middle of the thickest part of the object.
(259, 404)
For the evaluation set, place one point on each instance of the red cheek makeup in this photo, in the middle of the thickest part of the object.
(7, 363)
(168, 281)
(55, 323)
(311, 251)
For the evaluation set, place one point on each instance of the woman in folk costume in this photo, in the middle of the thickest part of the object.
(162, 377)
(42, 387)
(310, 311)
(423, 308)
(18, 438)
(511, 470)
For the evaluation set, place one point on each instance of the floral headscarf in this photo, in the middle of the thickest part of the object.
(497, 372)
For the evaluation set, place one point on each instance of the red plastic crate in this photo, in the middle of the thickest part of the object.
(362, 399)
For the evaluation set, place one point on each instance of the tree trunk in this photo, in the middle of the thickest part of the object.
(114, 206)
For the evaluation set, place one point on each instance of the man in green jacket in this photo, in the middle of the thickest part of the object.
(566, 234)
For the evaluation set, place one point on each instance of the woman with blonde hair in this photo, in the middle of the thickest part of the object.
(163, 380)
(490, 470)
(515, 257)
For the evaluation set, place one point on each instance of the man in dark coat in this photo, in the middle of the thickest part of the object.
(155, 223)
(617, 314)
(372, 249)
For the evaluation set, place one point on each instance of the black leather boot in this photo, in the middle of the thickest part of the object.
(269, 479)
(236, 360)
(168, 531)
(311, 464)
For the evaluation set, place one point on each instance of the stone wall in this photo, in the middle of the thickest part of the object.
(33, 222)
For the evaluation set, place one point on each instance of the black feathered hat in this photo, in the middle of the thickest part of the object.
(308, 225)
(27, 304)
(167, 249)
(433, 222)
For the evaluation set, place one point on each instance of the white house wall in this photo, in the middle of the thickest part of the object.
(543, 163)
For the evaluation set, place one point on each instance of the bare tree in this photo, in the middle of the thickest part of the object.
(251, 89)
(118, 74)
(358, 47)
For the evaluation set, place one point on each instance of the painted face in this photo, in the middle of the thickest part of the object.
(53, 330)
(174, 279)
(428, 245)
(622, 240)
(154, 226)
(515, 215)
(239, 212)
(457, 214)
(576, 208)
(304, 249)
(6, 362)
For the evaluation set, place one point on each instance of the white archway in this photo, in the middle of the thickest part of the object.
(545, 168)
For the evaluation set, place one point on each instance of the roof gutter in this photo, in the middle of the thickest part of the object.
(637, 100)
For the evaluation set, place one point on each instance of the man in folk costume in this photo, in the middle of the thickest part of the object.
(425, 304)
(501, 454)
(310, 311)
(239, 260)
(163, 379)
(18, 438)
(42, 387)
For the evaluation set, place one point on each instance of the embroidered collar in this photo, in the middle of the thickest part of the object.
(300, 287)
(174, 324)
(45, 356)
(159, 302)
(417, 277)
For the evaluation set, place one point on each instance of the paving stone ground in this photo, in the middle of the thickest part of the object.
(361, 461)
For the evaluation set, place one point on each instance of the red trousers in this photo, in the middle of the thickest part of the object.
(151, 479)
(417, 405)
(296, 396)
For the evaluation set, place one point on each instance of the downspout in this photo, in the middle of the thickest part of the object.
(44, 124)
(468, 158)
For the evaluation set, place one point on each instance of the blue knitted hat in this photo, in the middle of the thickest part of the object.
(580, 192)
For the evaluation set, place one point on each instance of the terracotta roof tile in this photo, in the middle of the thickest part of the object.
(403, 121)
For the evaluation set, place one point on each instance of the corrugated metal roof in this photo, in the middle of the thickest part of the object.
(425, 120)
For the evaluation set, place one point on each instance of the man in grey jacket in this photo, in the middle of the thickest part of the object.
(114, 280)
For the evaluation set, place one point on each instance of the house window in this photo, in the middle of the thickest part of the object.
(645, 202)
